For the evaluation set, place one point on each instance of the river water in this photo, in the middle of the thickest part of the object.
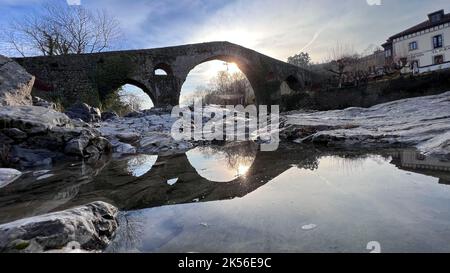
(234, 198)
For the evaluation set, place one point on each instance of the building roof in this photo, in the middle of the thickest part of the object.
(445, 18)
(387, 44)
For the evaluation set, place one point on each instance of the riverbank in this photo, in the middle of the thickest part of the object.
(422, 122)
(144, 141)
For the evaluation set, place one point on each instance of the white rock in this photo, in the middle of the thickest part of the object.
(15, 84)
(7, 176)
(152, 130)
(309, 227)
(41, 172)
(172, 182)
(157, 139)
(423, 122)
(128, 137)
(91, 226)
(45, 176)
(124, 148)
(34, 119)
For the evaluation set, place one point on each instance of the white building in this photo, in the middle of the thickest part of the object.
(422, 48)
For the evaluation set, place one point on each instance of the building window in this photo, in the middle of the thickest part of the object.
(413, 46)
(420, 157)
(437, 41)
(388, 53)
(439, 59)
(436, 17)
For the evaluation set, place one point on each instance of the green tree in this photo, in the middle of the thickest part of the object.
(114, 102)
(302, 59)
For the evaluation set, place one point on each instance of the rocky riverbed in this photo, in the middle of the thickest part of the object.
(143, 132)
(422, 122)
(35, 138)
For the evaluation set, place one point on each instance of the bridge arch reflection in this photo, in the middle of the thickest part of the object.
(145, 181)
(219, 164)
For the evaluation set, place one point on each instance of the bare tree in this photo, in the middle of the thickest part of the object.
(343, 60)
(131, 100)
(60, 29)
(201, 92)
(402, 57)
(229, 88)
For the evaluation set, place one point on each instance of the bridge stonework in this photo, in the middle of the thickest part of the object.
(91, 77)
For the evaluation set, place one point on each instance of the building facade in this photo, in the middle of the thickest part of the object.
(373, 63)
(422, 48)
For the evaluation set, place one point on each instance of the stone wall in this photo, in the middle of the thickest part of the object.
(370, 94)
(90, 77)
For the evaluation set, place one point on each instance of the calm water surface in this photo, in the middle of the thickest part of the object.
(234, 198)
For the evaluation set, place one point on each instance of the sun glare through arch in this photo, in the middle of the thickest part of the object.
(203, 81)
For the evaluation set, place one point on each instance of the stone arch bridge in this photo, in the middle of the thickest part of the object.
(91, 77)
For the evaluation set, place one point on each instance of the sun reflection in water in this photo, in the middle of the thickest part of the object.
(242, 170)
(222, 164)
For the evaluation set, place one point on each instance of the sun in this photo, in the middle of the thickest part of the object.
(242, 169)
(217, 66)
(232, 68)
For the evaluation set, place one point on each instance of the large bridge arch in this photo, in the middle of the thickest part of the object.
(243, 64)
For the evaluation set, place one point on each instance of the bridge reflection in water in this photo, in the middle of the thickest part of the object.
(202, 174)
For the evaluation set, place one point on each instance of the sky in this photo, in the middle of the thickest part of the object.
(278, 28)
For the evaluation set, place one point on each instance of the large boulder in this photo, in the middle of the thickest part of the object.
(84, 112)
(90, 228)
(33, 119)
(109, 115)
(39, 135)
(15, 84)
(43, 103)
(33, 157)
(123, 148)
(128, 137)
(135, 114)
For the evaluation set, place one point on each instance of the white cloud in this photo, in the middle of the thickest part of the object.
(73, 2)
(283, 28)
(17, 2)
(276, 28)
(374, 2)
